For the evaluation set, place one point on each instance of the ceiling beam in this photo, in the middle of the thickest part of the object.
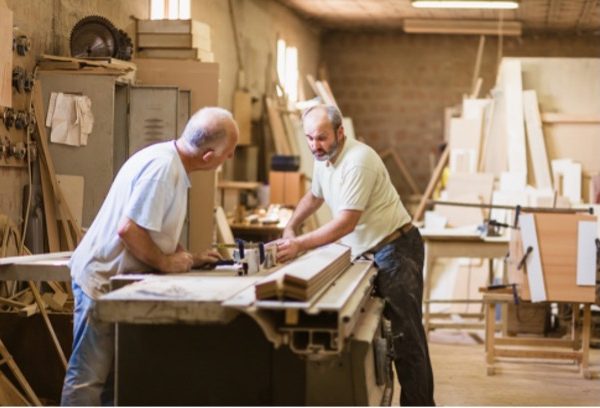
(587, 9)
(553, 15)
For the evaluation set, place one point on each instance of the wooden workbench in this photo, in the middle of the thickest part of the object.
(578, 344)
(452, 244)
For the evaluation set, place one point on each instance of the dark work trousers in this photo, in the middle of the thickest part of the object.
(400, 284)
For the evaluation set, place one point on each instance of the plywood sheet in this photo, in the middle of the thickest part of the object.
(579, 142)
(564, 85)
(558, 236)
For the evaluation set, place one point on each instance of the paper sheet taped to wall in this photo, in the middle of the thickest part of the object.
(70, 117)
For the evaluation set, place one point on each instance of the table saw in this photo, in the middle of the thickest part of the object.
(203, 338)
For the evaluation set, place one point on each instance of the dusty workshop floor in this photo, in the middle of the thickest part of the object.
(460, 377)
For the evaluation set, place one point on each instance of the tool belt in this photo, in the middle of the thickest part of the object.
(400, 232)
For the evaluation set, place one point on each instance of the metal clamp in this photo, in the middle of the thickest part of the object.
(524, 259)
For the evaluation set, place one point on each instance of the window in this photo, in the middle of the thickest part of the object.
(170, 9)
(287, 69)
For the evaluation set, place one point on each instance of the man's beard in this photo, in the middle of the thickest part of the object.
(328, 155)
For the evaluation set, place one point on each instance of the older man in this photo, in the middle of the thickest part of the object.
(138, 229)
(369, 217)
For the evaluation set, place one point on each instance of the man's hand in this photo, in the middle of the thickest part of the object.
(206, 258)
(178, 262)
(287, 249)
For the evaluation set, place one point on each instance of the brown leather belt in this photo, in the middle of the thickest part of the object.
(403, 230)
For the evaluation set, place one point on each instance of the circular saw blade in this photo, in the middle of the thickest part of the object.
(94, 36)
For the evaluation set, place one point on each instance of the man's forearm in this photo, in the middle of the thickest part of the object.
(305, 208)
(138, 242)
(330, 232)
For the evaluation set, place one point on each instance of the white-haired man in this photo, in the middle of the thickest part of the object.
(138, 229)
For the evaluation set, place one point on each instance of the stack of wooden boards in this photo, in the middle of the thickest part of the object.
(561, 265)
(178, 39)
(530, 141)
(306, 276)
(92, 66)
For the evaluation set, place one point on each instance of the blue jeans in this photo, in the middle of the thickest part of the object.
(88, 381)
(400, 283)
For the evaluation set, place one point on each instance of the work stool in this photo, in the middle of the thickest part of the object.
(576, 348)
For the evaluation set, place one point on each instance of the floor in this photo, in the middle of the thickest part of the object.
(460, 377)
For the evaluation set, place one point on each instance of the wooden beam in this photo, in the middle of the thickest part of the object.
(40, 303)
(403, 169)
(18, 375)
(435, 177)
(553, 117)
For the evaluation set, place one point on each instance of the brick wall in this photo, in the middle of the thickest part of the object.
(395, 86)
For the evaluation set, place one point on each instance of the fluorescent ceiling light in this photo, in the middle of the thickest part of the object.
(466, 4)
(485, 27)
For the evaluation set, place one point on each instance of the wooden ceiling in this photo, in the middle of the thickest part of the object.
(535, 15)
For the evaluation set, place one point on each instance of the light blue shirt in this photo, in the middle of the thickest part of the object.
(150, 189)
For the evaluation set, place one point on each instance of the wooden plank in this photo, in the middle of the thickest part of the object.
(403, 169)
(535, 274)
(49, 212)
(19, 375)
(567, 179)
(224, 234)
(165, 40)
(556, 117)
(277, 130)
(242, 112)
(9, 394)
(6, 55)
(511, 84)
(164, 26)
(174, 53)
(41, 305)
(465, 135)
(435, 177)
(537, 353)
(324, 91)
(72, 188)
(495, 147)
(535, 139)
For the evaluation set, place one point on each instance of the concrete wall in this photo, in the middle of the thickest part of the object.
(395, 86)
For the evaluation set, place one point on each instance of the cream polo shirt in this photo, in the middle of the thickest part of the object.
(150, 189)
(359, 181)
